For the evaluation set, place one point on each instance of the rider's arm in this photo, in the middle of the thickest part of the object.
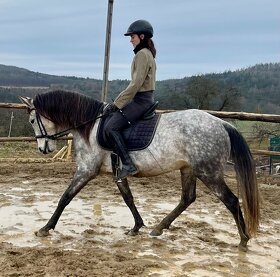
(139, 70)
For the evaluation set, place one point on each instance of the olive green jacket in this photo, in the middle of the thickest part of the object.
(143, 72)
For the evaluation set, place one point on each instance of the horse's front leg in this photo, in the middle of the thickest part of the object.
(79, 181)
(128, 199)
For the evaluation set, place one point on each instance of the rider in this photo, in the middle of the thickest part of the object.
(135, 100)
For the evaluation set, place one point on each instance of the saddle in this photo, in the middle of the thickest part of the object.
(136, 137)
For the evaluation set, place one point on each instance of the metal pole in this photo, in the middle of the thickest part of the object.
(107, 51)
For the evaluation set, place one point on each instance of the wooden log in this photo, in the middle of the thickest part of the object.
(233, 115)
(7, 139)
(60, 152)
(12, 106)
(275, 118)
(22, 139)
(69, 150)
(247, 116)
(28, 160)
(265, 152)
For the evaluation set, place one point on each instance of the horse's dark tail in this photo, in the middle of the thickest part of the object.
(246, 177)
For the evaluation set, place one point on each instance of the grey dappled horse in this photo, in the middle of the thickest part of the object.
(192, 141)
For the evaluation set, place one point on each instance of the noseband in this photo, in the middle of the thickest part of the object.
(44, 133)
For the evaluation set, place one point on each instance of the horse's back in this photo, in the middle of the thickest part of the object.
(192, 116)
(191, 137)
(194, 125)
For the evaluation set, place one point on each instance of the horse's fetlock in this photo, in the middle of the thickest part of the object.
(192, 198)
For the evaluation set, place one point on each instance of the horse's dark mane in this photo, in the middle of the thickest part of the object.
(68, 109)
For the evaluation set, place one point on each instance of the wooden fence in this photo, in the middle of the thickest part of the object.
(231, 115)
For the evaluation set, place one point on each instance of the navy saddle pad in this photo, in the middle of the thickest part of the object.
(136, 137)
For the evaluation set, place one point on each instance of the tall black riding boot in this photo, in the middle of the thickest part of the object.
(128, 167)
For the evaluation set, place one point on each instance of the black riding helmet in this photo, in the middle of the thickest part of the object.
(140, 27)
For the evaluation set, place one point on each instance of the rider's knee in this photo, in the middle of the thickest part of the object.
(109, 131)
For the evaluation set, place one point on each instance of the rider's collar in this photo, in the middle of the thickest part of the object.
(142, 44)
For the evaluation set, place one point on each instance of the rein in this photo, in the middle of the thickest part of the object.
(44, 133)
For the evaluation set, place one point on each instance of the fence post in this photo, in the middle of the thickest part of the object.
(11, 123)
(107, 51)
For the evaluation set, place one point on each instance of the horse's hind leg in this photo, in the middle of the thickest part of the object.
(128, 199)
(222, 191)
(187, 197)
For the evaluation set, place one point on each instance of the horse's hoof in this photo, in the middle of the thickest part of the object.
(42, 233)
(156, 233)
(132, 233)
(242, 247)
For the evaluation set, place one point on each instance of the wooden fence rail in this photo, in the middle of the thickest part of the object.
(274, 118)
(233, 115)
(14, 139)
(29, 139)
(12, 106)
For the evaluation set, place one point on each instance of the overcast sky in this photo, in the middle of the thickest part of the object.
(67, 37)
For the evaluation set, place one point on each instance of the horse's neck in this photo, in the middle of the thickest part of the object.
(90, 155)
(80, 141)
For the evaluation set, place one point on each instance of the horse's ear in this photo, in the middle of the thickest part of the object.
(28, 102)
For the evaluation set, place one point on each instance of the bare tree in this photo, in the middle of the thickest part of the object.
(200, 92)
(263, 130)
(205, 93)
(230, 99)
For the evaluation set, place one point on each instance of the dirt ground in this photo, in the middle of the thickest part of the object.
(90, 239)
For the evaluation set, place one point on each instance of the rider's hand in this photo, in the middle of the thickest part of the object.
(109, 108)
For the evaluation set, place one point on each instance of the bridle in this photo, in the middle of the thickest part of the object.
(44, 134)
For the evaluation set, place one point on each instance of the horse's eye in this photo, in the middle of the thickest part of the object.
(32, 121)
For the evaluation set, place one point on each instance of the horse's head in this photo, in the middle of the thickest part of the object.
(42, 126)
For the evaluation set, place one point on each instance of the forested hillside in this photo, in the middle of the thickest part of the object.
(14, 80)
(253, 89)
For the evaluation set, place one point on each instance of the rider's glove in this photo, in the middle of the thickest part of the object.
(109, 108)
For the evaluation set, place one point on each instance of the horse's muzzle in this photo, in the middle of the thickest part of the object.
(46, 149)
